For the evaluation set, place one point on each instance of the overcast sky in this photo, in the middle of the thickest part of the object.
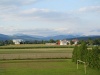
(50, 17)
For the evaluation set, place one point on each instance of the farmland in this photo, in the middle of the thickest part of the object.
(33, 46)
(34, 51)
(39, 60)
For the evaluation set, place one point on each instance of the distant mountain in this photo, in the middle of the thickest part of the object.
(60, 37)
(4, 37)
(25, 37)
(34, 37)
(87, 37)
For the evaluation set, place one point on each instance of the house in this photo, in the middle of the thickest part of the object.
(68, 42)
(17, 41)
(75, 41)
(64, 42)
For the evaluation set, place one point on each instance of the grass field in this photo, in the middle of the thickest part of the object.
(43, 67)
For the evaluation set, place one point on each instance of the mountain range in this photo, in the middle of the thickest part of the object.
(34, 37)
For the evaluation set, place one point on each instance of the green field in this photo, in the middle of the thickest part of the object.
(39, 60)
(43, 67)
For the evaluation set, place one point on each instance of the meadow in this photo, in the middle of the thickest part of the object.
(43, 67)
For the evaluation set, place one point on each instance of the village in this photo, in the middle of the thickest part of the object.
(59, 42)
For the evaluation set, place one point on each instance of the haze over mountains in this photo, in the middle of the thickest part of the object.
(35, 37)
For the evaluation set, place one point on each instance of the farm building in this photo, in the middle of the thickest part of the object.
(75, 41)
(64, 42)
(68, 42)
(17, 41)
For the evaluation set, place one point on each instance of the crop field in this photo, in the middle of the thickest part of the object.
(43, 67)
(33, 46)
(36, 53)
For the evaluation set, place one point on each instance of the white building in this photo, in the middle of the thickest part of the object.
(17, 41)
(75, 41)
(64, 42)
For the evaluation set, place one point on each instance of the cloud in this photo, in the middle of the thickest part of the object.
(13, 11)
(8, 30)
(35, 14)
(44, 14)
(41, 32)
(15, 5)
(17, 2)
(90, 9)
(95, 30)
(36, 31)
(47, 31)
(10, 10)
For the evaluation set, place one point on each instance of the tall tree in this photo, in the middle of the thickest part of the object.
(94, 61)
(75, 54)
(83, 52)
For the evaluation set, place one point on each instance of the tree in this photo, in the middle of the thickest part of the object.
(83, 52)
(71, 42)
(96, 42)
(90, 41)
(1, 43)
(93, 58)
(51, 41)
(80, 53)
(75, 54)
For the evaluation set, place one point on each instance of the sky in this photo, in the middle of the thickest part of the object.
(50, 17)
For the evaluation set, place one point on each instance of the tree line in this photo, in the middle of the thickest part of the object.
(90, 56)
(6, 42)
(91, 41)
(88, 42)
(10, 42)
(40, 41)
